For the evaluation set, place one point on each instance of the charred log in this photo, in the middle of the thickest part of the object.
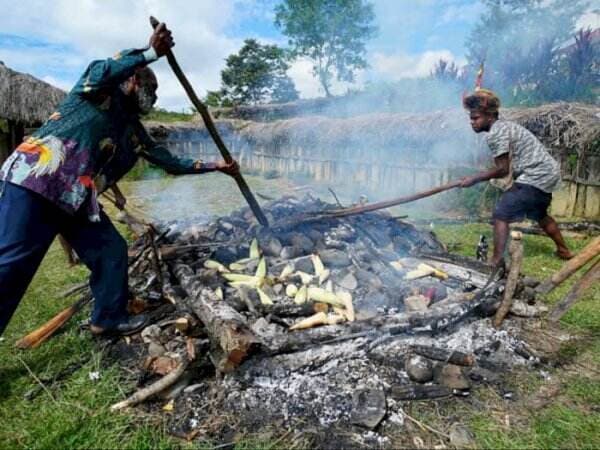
(232, 340)
(442, 354)
(419, 392)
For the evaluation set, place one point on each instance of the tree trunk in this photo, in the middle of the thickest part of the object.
(432, 321)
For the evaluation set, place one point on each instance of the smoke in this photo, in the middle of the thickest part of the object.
(404, 130)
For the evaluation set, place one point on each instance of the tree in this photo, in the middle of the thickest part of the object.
(520, 40)
(256, 74)
(331, 33)
(583, 62)
(217, 98)
(445, 71)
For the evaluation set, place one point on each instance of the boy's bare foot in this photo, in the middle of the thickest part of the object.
(564, 254)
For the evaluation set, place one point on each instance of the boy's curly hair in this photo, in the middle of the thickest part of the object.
(482, 100)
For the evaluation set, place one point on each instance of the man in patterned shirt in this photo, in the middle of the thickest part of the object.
(530, 173)
(50, 183)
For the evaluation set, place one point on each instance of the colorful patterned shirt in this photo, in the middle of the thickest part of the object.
(91, 141)
(531, 162)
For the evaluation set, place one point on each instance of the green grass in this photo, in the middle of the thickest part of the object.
(74, 413)
(572, 420)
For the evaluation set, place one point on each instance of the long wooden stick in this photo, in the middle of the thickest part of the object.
(154, 388)
(210, 126)
(589, 252)
(389, 203)
(317, 216)
(43, 333)
(591, 277)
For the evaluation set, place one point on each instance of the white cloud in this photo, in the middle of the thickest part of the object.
(301, 73)
(591, 19)
(402, 65)
(93, 29)
(308, 86)
(39, 57)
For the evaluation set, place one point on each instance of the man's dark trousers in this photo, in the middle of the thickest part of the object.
(28, 225)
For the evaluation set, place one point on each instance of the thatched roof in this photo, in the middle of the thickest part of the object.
(560, 126)
(565, 126)
(26, 99)
(372, 130)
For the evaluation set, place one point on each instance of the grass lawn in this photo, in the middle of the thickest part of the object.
(73, 411)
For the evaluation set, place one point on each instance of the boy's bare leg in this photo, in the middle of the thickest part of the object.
(549, 225)
(500, 237)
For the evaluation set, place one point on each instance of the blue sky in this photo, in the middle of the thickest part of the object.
(55, 40)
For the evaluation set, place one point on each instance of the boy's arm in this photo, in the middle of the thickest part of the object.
(501, 169)
(498, 141)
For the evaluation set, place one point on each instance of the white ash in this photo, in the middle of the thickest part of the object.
(469, 337)
(321, 390)
(373, 439)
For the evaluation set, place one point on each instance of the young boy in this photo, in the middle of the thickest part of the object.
(519, 156)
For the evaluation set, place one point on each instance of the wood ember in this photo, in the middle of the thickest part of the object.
(236, 290)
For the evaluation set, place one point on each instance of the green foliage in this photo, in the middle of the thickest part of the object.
(217, 98)
(522, 44)
(162, 115)
(572, 161)
(256, 74)
(332, 33)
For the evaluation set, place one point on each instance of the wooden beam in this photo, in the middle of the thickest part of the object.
(591, 277)
(589, 252)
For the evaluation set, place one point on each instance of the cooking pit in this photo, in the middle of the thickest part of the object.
(315, 323)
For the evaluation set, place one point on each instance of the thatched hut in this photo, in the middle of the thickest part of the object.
(25, 102)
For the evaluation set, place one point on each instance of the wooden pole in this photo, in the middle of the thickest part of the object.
(389, 203)
(43, 333)
(591, 277)
(210, 126)
(570, 267)
(516, 259)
